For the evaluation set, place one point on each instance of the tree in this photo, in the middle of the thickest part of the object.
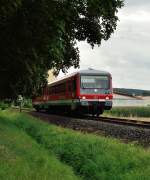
(37, 35)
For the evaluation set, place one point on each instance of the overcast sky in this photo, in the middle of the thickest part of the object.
(127, 53)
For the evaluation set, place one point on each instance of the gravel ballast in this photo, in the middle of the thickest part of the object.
(126, 132)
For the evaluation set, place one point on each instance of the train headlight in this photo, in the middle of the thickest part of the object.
(83, 97)
(107, 98)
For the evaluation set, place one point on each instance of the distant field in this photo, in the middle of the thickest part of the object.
(129, 112)
(31, 149)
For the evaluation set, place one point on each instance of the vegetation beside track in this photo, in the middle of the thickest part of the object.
(21, 157)
(5, 104)
(129, 112)
(90, 156)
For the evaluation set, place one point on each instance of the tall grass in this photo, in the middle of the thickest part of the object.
(91, 157)
(22, 158)
(129, 112)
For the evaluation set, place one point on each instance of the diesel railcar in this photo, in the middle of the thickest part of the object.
(86, 91)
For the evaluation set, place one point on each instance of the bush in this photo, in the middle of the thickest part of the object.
(3, 105)
(27, 103)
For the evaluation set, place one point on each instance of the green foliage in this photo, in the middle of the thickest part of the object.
(4, 105)
(22, 158)
(90, 156)
(129, 112)
(27, 103)
(39, 35)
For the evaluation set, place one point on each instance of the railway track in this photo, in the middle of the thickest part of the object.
(121, 121)
(127, 130)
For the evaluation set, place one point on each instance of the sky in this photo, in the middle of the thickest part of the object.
(126, 55)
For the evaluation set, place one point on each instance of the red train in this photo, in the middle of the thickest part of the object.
(87, 91)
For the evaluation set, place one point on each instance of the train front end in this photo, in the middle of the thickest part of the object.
(94, 91)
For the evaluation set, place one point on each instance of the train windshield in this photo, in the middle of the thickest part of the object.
(94, 82)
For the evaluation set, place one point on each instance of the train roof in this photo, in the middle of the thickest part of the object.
(81, 72)
(93, 72)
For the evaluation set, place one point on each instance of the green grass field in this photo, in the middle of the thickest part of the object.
(21, 157)
(129, 112)
(31, 149)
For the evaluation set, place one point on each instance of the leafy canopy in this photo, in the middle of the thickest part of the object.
(37, 35)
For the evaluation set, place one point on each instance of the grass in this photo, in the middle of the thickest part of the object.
(91, 157)
(129, 112)
(21, 157)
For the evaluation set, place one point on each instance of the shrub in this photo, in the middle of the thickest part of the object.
(27, 103)
(3, 105)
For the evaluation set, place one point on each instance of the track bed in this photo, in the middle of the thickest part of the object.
(119, 128)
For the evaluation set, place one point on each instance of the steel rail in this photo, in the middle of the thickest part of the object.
(130, 122)
(119, 121)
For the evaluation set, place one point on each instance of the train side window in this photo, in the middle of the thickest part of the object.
(69, 85)
(60, 88)
(63, 88)
(73, 83)
(48, 90)
(42, 91)
(53, 90)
